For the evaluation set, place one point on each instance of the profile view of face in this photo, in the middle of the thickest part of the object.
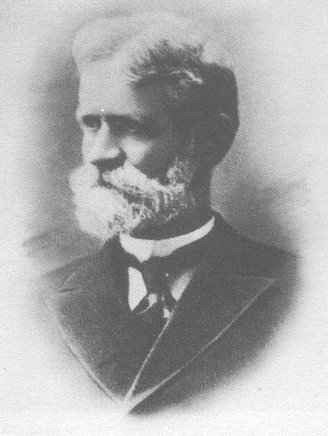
(137, 170)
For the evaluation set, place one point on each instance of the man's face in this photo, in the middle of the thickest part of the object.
(136, 171)
(118, 120)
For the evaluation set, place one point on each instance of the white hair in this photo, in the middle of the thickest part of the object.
(170, 49)
(136, 35)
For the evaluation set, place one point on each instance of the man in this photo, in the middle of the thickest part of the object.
(173, 283)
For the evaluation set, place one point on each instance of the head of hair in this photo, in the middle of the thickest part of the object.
(175, 51)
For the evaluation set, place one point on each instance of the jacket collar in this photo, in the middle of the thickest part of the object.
(95, 322)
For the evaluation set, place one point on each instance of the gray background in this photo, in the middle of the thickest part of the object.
(272, 187)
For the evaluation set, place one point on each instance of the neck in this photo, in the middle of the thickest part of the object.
(179, 226)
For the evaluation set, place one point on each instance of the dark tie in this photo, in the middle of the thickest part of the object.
(158, 304)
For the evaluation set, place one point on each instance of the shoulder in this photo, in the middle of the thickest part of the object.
(241, 255)
(80, 270)
(55, 278)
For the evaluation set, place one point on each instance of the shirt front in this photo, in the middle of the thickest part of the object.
(144, 249)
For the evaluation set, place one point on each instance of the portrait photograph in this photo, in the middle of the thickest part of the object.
(164, 170)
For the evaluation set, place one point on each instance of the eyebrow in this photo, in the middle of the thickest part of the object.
(135, 116)
(152, 125)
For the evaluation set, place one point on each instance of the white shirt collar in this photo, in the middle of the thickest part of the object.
(144, 249)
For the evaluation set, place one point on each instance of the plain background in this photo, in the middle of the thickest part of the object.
(272, 187)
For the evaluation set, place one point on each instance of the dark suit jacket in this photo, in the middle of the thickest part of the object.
(213, 332)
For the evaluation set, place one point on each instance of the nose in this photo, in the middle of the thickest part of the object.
(105, 152)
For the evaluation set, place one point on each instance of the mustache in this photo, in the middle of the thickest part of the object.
(129, 180)
(129, 199)
(107, 165)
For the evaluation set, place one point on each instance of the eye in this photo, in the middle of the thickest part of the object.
(92, 122)
(127, 126)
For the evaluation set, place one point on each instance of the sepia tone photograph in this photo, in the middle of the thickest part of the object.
(165, 225)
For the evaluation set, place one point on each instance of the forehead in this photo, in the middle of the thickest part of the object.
(105, 86)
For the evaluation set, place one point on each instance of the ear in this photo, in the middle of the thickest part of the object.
(224, 123)
(215, 138)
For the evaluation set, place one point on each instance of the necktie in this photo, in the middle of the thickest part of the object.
(158, 304)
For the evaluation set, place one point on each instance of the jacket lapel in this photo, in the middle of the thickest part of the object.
(211, 304)
(96, 324)
(122, 357)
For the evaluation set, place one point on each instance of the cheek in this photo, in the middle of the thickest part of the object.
(136, 150)
(151, 157)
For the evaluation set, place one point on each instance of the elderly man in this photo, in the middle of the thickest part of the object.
(167, 297)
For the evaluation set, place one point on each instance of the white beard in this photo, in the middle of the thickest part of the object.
(134, 202)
